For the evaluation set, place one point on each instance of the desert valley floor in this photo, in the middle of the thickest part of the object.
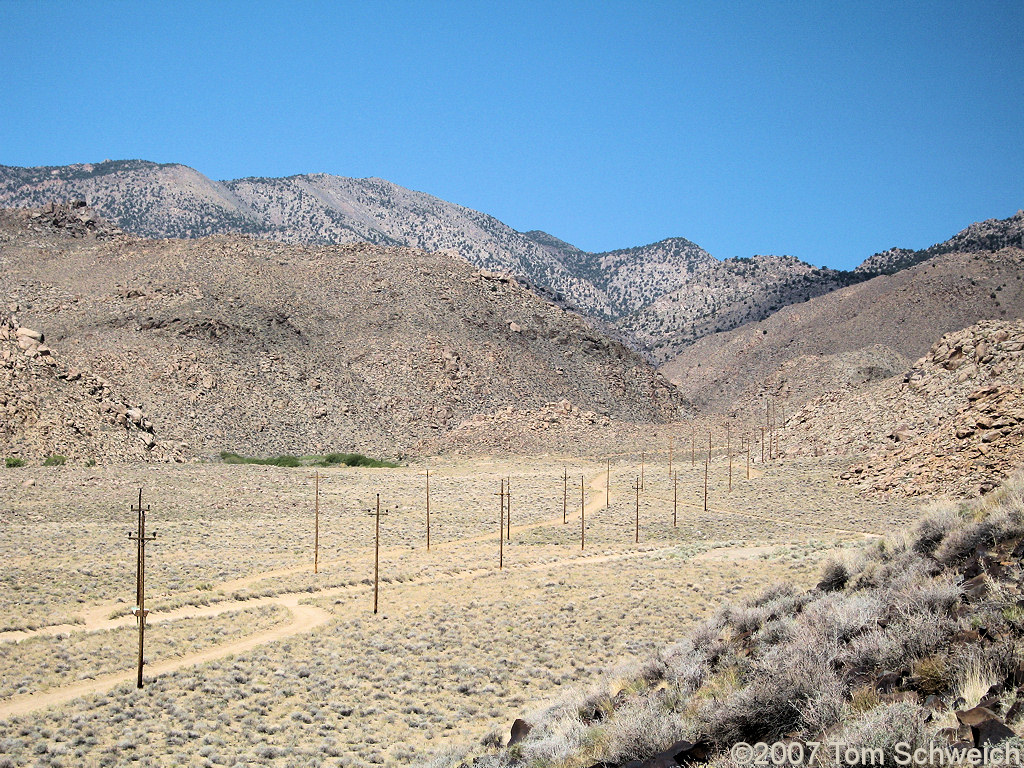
(254, 659)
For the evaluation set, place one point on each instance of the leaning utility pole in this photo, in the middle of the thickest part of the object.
(140, 539)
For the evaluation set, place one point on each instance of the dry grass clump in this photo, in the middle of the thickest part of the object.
(823, 664)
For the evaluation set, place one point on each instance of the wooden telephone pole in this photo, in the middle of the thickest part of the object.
(316, 523)
(636, 488)
(140, 538)
(428, 509)
(376, 550)
(748, 457)
(501, 528)
(565, 495)
(728, 450)
(607, 483)
(583, 515)
(675, 498)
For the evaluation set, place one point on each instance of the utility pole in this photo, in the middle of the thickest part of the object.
(643, 456)
(636, 488)
(565, 495)
(607, 483)
(316, 523)
(501, 528)
(140, 539)
(675, 498)
(762, 445)
(583, 516)
(428, 509)
(728, 450)
(376, 551)
(748, 458)
(670, 439)
(706, 483)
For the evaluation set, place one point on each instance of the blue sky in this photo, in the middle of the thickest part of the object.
(764, 127)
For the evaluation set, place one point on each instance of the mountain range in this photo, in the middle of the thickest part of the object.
(661, 299)
(661, 296)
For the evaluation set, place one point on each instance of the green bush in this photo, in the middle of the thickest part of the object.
(276, 461)
(353, 460)
(55, 460)
(14, 461)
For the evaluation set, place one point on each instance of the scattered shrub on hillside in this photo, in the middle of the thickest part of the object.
(819, 665)
(938, 521)
(887, 725)
(13, 461)
(834, 575)
(642, 727)
(932, 674)
(55, 460)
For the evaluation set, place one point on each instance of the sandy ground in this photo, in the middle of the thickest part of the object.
(553, 616)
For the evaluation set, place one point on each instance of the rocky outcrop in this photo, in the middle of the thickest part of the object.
(48, 408)
(952, 424)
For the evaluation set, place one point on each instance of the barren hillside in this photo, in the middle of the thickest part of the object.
(879, 321)
(230, 343)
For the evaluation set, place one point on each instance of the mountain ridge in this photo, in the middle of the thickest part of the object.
(660, 297)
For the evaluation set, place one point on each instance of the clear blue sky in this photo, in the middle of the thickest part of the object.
(765, 127)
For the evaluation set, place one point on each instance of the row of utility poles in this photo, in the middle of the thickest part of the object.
(771, 425)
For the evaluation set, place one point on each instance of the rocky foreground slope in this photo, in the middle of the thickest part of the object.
(912, 642)
(230, 343)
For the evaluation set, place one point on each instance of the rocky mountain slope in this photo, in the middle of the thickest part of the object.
(852, 335)
(908, 645)
(231, 343)
(951, 424)
(700, 294)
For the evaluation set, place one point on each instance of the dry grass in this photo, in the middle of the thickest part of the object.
(43, 662)
(459, 649)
